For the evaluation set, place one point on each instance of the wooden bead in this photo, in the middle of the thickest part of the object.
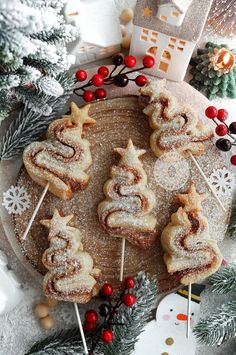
(41, 310)
(126, 42)
(47, 322)
(127, 15)
(124, 31)
(51, 302)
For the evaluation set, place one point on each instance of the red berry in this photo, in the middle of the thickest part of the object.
(130, 61)
(233, 160)
(107, 289)
(148, 61)
(141, 80)
(97, 80)
(103, 71)
(81, 75)
(88, 95)
(100, 93)
(89, 327)
(221, 130)
(91, 316)
(211, 112)
(129, 282)
(107, 336)
(222, 114)
(129, 299)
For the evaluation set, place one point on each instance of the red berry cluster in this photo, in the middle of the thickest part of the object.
(222, 129)
(108, 311)
(103, 77)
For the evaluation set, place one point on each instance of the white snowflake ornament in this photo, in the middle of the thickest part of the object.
(16, 200)
(222, 181)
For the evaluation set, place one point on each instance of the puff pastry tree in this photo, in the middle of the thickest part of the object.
(126, 211)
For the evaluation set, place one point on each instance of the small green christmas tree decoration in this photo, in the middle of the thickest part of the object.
(33, 53)
(214, 71)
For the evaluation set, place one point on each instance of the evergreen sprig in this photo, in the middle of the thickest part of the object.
(219, 326)
(232, 222)
(134, 318)
(30, 124)
(68, 342)
(224, 281)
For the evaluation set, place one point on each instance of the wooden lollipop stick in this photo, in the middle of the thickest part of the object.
(207, 182)
(81, 328)
(35, 211)
(122, 259)
(189, 310)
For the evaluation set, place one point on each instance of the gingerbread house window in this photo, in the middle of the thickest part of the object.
(152, 51)
(175, 14)
(163, 66)
(166, 54)
(144, 38)
(164, 18)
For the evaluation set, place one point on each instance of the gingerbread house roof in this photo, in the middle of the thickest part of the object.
(193, 23)
(181, 5)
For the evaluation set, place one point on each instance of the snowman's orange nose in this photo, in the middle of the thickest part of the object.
(182, 316)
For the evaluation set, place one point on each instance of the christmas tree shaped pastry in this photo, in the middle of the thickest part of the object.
(189, 251)
(126, 211)
(63, 158)
(71, 276)
(176, 126)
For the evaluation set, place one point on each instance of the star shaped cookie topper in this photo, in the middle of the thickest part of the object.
(192, 200)
(130, 150)
(147, 12)
(57, 223)
(80, 115)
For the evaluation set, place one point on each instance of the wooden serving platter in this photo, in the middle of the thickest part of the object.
(118, 119)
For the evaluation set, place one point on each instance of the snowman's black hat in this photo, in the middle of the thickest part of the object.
(195, 294)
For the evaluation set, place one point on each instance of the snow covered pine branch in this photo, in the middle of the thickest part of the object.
(33, 37)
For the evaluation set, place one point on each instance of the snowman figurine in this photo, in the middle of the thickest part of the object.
(167, 334)
(10, 289)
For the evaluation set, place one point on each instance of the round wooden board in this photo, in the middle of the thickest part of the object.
(118, 120)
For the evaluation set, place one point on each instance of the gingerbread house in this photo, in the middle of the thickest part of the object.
(168, 30)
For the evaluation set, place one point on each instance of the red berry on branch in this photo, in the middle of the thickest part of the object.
(117, 59)
(103, 71)
(107, 336)
(221, 130)
(130, 61)
(97, 80)
(81, 75)
(88, 96)
(91, 316)
(222, 114)
(129, 299)
(141, 80)
(129, 282)
(89, 327)
(232, 128)
(211, 112)
(107, 289)
(233, 160)
(148, 61)
(100, 93)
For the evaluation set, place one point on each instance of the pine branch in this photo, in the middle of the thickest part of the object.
(68, 342)
(224, 281)
(219, 326)
(64, 342)
(134, 318)
(232, 222)
(30, 124)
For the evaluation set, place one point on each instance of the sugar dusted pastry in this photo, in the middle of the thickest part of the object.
(189, 251)
(71, 276)
(64, 157)
(176, 126)
(127, 209)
